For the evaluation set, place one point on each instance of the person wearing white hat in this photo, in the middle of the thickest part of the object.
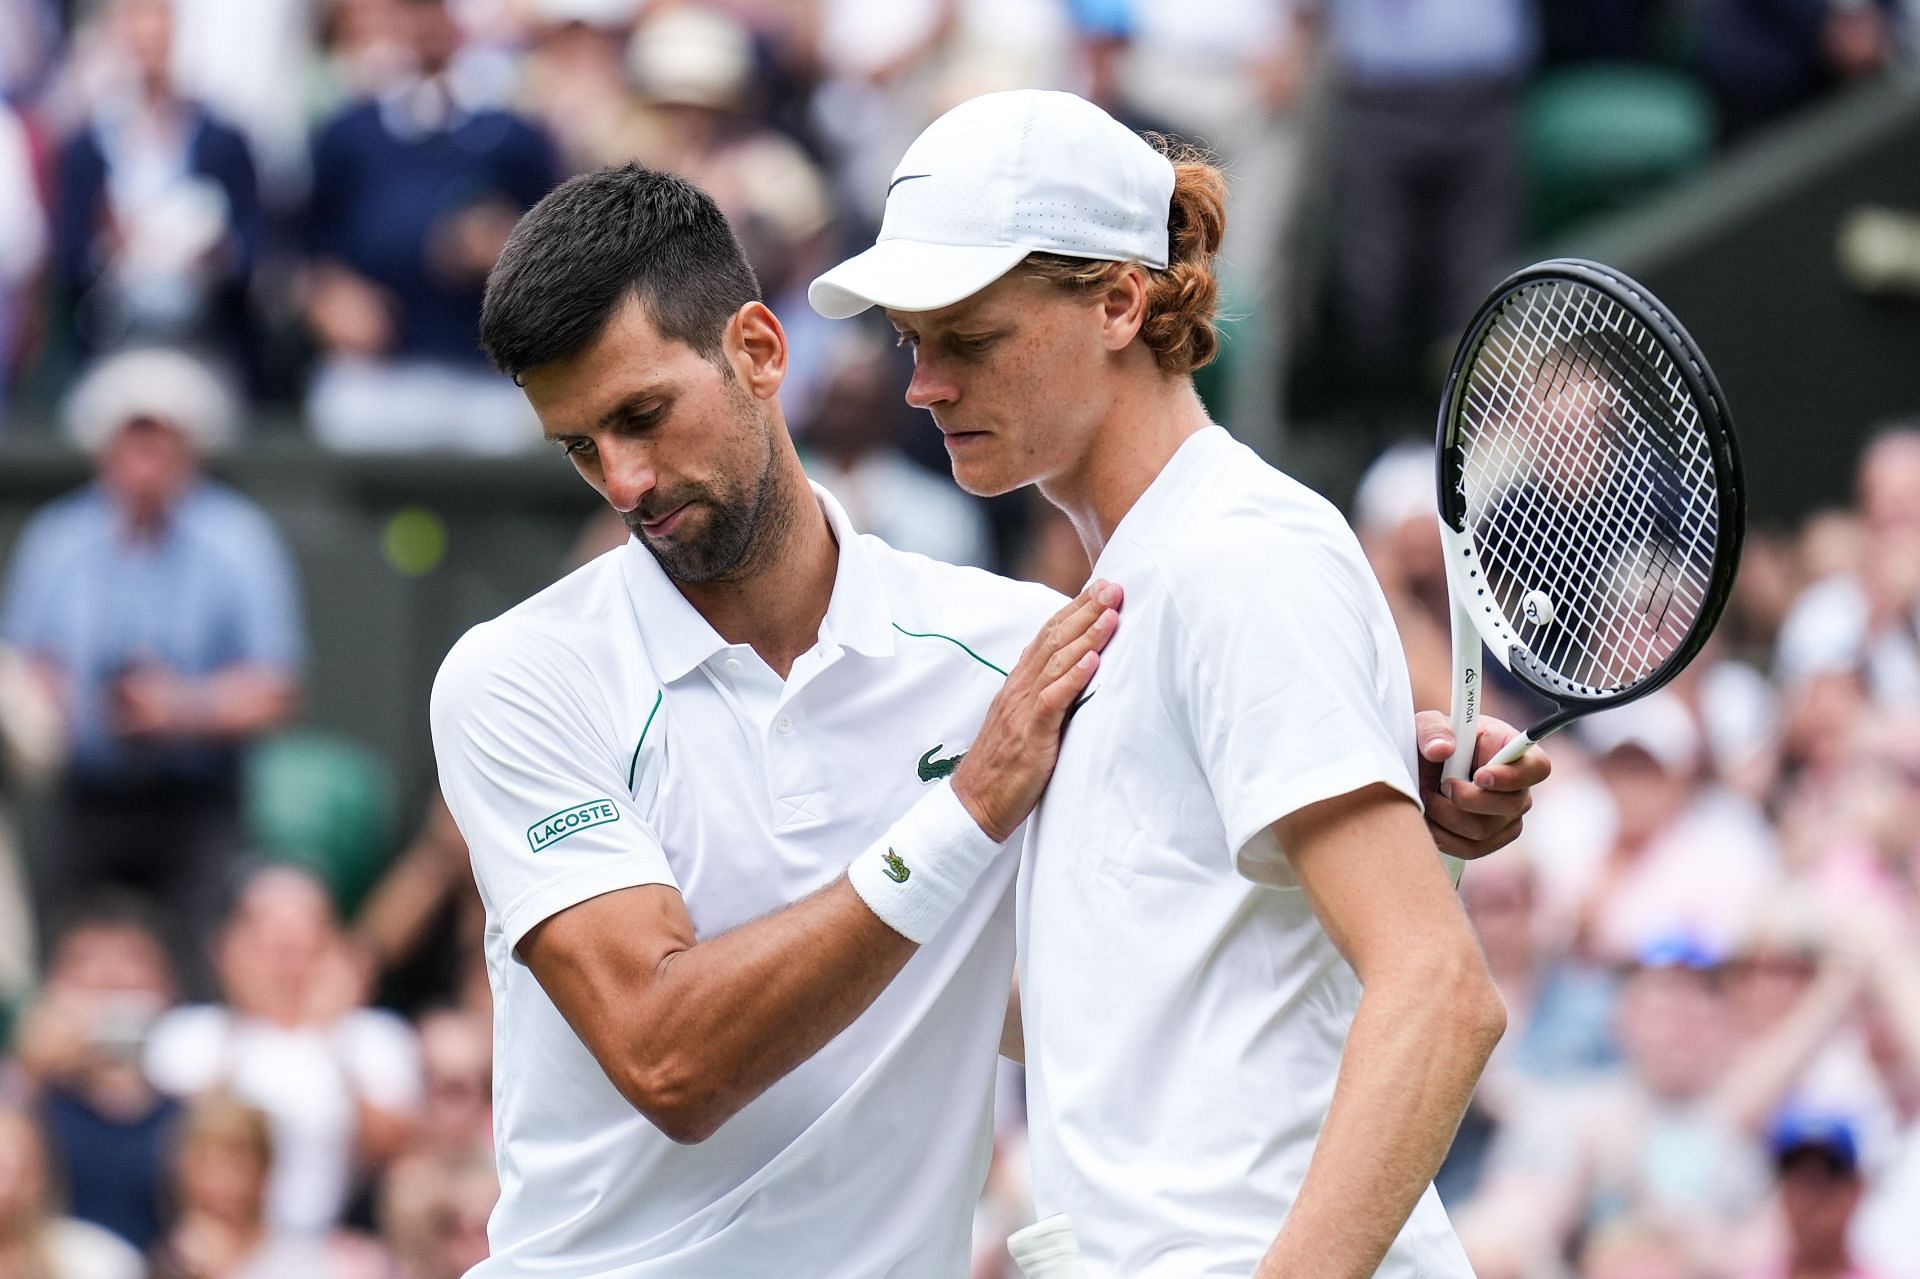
(163, 608)
(1254, 1010)
(743, 799)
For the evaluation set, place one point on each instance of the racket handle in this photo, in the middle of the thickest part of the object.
(1047, 1249)
(1464, 717)
(1512, 750)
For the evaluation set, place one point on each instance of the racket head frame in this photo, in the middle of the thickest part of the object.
(1476, 618)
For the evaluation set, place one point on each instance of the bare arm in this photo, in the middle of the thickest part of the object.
(690, 1031)
(1427, 1022)
(229, 705)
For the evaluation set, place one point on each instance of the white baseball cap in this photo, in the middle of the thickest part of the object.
(996, 178)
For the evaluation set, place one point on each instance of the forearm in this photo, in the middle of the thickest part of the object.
(725, 1019)
(240, 702)
(1414, 1053)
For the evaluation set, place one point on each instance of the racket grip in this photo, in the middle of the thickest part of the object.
(1047, 1249)
(1512, 750)
(1464, 717)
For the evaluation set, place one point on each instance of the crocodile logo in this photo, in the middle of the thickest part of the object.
(932, 770)
(896, 869)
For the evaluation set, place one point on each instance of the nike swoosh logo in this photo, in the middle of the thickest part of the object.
(908, 178)
(1080, 701)
(932, 770)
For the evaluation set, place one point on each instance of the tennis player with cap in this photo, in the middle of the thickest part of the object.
(1254, 1010)
(743, 798)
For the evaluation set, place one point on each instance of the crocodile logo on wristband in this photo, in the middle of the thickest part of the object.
(896, 869)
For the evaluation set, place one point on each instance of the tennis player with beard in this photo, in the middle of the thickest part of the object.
(1254, 1010)
(744, 800)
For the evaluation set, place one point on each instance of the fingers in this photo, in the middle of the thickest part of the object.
(1532, 768)
(1434, 732)
(1091, 640)
(1473, 850)
(1059, 695)
(1075, 617)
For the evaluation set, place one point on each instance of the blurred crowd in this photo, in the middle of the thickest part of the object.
(218, 1067)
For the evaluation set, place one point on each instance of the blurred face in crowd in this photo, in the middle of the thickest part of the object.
(1767, 981)
(1646, 793)
(683, 448)
(1499, 897)
(280, 938)
(457, 1053)
(1889, 486)
(223, 1163)
(432, 31)
(147, 466)
(434, 1214)
(119, 978)
(1016, 377)
(1818, 1197)
(145, 28)
(1674, 1029)
(23, 1174)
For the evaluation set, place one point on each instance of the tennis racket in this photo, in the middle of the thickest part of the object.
(1590, 497)
(1047, 1249)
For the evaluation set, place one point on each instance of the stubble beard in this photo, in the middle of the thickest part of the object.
(743, 526)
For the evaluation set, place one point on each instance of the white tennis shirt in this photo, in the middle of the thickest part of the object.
(1184, 1010)
(601, 735)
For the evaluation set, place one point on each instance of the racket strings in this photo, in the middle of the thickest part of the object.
(1589, 486)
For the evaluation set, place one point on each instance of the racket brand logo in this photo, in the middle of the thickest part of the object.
(932, 770)
(896, 869)
(1470, 686)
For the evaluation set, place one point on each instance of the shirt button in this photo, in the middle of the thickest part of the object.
(733, 666)
(783, 725)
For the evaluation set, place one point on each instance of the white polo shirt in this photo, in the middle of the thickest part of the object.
(602, 735)
(1185, 1011)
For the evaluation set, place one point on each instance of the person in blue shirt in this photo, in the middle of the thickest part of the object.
(162, 610)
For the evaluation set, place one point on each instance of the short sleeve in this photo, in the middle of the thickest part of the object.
(529, 768)
(1295, 685)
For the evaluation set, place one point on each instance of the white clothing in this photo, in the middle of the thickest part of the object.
(82, 1250)
(359, 405)
(307, 1080)
(594, 739)
(1185, 1012)
(908, 507)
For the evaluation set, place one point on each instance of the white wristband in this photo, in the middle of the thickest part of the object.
(916, 875)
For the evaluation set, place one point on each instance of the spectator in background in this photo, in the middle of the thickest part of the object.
(1817, 1162)
(36, 1242)
(575, 81)
(1393, 514)
(1767, 58)
(250, 63)
(31, 744)
(433, 1215)
(413, 195)
(79, 1047)
(1652, 846)
(162, 608)
(221, 1171)
(23, 243)
(1664, 1138)
(1866, 621)
(340, 1081)
(157, 219)
(695, 70)
(849, 444)
(1428, 168)
(456, 1056)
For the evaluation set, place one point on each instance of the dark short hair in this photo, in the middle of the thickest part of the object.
(597, 240)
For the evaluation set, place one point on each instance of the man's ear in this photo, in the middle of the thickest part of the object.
(755, 347)
(1123, 306)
